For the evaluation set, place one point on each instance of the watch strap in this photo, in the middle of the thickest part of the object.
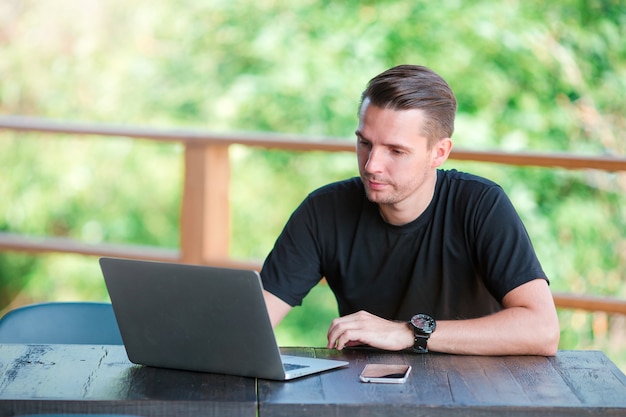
(420, 344)
(423, 326)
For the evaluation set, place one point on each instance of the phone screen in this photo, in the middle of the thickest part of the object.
(385, 373)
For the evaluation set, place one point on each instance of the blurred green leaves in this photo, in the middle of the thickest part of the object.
(528, 75)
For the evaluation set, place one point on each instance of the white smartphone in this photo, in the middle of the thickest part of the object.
(385, 373)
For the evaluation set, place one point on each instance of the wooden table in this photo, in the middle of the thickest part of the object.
(574, 383)
(69, 379)
(100, 379)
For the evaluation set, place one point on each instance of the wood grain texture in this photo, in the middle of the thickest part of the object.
(574, 383)
(100, 379)
(38, 379)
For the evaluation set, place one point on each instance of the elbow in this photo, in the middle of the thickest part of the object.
(543, 338)
(548, 339)
(553, 345)
(550, 346)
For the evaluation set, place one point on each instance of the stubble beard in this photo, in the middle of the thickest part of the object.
(389, 197)
(396, 194)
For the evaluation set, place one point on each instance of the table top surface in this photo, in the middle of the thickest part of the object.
(100, 379)
(571, 383)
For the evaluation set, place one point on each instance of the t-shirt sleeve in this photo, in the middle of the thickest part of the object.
(292, 268)
(504, 249)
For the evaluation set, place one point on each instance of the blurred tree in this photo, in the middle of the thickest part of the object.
(528, 76)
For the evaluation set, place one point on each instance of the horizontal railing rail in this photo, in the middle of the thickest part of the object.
(204, 230)
(609, 163)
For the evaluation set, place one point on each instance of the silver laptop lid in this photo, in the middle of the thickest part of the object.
(193, 317)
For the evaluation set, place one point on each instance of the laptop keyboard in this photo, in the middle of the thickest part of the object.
(293, 366)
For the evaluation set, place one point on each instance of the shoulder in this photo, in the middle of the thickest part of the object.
(472, 198)
(463, 187)
(463, 179)
(349, 186)
(332, 200)
(340, 192)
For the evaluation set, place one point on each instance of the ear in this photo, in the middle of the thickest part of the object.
(441, 151)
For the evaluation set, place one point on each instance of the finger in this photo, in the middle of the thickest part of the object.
(339, 333)
(352, 337)
(334, 333)
(337, 327)
(343, 329)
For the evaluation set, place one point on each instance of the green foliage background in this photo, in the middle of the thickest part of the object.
(530, 76)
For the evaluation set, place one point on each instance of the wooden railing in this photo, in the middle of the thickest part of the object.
(204, 228)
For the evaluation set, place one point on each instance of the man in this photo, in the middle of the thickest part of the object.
(418, 257)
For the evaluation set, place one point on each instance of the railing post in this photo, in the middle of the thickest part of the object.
(205, 217)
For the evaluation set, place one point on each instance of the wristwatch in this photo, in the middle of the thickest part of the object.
(423, 326)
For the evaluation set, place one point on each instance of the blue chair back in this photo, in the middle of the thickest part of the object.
(61, 323)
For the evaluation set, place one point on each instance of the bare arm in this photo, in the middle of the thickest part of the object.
(528, 325)
(276, 308)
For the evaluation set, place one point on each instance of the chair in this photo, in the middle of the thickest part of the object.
(61, 323)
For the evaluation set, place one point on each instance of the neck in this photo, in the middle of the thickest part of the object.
(409, 209)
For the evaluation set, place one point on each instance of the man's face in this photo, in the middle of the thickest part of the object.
(395, 162)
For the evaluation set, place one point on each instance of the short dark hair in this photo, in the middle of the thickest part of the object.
(407, 87)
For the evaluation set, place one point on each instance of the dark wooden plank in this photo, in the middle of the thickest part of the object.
(481, 380)
(100, 379)
(449, 385)
(592, 377)
(540, 381)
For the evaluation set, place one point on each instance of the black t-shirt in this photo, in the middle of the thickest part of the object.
(457, 260)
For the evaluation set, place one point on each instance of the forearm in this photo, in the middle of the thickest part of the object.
(528, 325)
(514, 331)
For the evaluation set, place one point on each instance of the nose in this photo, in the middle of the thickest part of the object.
(373, 163)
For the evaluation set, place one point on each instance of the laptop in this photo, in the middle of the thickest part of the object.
(199, 318)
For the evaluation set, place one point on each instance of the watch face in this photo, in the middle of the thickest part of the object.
(424, 323)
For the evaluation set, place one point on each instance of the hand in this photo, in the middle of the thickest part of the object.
(363, 328)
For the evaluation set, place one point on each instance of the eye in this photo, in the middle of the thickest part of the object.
(363, 143)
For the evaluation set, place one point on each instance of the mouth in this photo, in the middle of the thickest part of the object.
(374, 185)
